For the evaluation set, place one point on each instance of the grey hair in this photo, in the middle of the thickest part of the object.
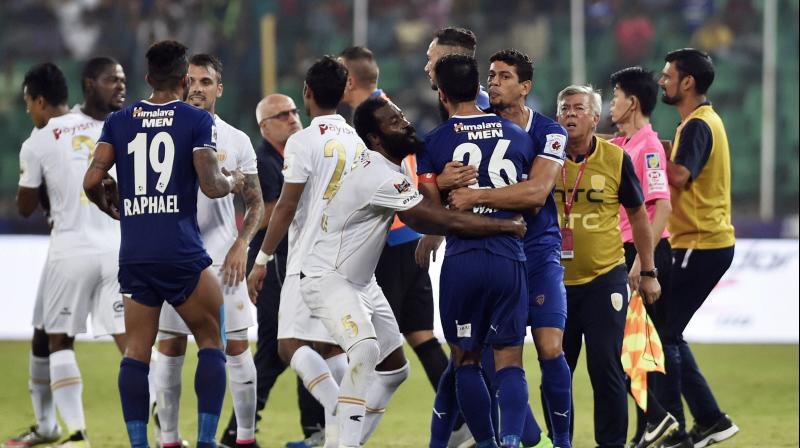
(595, 101)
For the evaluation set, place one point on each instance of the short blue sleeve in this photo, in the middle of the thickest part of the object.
(106, 135)
(205, 132)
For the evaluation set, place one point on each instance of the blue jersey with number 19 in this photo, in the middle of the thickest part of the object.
(153, 147)
(502, 153)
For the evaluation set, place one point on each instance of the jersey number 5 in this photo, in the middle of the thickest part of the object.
(138, 147)
(497, 163)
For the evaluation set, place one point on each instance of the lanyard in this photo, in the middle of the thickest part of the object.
(570, 201)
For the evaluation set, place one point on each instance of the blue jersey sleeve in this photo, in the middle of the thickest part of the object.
(205, 133)
(106, 135)
(424, 162)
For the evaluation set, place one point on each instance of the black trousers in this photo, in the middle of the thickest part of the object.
(695, 273)
(596, 312)
(269, 365)
(663, 261)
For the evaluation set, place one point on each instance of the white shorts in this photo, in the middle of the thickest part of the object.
(72, 288)
(238, 310)
(294, 317)
(351, 312)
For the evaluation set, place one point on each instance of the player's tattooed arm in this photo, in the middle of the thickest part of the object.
(101, 188)
(235, 264)
(251, 193)
(214, 183)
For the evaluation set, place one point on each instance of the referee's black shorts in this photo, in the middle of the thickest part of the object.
(407, 287)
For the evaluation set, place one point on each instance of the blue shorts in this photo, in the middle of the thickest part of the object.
(547, 297)
(483, 299)
(152, 283)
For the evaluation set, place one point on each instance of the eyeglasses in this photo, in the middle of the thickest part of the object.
(283, 116)
(578, 109)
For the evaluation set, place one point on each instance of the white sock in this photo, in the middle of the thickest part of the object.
(151, 378)
(67, 387)
(378, 396)
(168, 386)
(42, 395)
(360, 374)
(317, 378)
(242, 380)
(338, 366)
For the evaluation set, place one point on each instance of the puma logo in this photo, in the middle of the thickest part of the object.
(356, 418)
(562, 414)
(438, 414)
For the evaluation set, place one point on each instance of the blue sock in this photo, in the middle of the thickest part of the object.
(445, 409)
(135, 397)
(475, 402)
(512, 392)
(531, 432)
(557, 390)
(489, 375)
(209, 385)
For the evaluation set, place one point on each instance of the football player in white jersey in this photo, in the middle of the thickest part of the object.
(227, 247)
(46, 87)
(338, 276)
(316, 159)
(80, 275)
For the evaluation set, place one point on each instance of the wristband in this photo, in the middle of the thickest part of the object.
(427, 178)
(263, 258)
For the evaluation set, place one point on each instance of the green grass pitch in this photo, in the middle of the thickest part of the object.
(756, 384)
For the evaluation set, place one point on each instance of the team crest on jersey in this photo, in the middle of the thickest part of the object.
(540, 299)
(213, 134)
(221, 156)
(402, 186)
(555, 144)
(653, 161)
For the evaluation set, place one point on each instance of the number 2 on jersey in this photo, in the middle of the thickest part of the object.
(138, 147)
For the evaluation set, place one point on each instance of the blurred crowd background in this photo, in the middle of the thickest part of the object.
(618, 33)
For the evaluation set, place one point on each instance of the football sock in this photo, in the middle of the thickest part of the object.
(358, 379)
(167, 377)
(512, 393)
(209, 385)
(531, 432)
(474, 402)
(445, 409)
(67, 387)
(337, 364)
(557, 391)
(378, 396)
(242, 370)
(151, 377)
(133, 394)
(489, 375)
(318, 380)
(433, 360)
(312, 414)
(41, 394)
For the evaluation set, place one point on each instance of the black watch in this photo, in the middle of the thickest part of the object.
(653, 273)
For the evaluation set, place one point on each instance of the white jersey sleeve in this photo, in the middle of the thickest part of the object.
(397, 194)
(30, 166)
(297, 161)
(247, 154)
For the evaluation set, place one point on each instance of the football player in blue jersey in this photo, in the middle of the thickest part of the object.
(163, 148)
(483, 295)
(510, 76)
